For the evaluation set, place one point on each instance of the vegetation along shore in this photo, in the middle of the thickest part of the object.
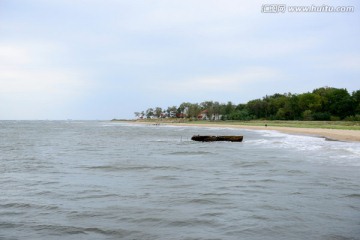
(328, 112)
(322, 104)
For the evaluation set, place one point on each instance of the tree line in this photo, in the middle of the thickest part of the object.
(326, 103)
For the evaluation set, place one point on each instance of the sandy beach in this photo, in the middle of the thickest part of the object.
(330, 134)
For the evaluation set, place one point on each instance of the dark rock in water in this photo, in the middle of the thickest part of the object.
(217, 138)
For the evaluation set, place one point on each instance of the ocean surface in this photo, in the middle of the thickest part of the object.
(111, 180)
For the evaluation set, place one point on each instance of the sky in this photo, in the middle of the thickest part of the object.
(105, 59)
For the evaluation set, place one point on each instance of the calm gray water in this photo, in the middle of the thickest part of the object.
(105, 180)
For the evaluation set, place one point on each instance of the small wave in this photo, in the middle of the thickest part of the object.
(267, 180)
(9, 225)
(219, 194)
(344, 153)
(348, 150)
(193, 222)
(189, 153)
(11, 213)
(337, 237)
(96, 196)
(28, 206)
(133, 168)
(355, 195)
(212, 214)
(259, 217)
(273, 207)
(147, 220)
(247, 164)
(117, 168)
(71, 230)
(271, 133)
(258, 141)
(108, 125)
(171, 178)
(296, 172)
(205, 201)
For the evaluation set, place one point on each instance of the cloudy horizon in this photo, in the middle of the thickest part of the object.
(94, 59)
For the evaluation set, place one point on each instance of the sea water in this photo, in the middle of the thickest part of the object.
(110, 180)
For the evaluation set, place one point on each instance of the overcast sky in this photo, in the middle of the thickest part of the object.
(104, 59)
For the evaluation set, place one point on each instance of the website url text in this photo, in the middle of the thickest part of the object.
(282, 8)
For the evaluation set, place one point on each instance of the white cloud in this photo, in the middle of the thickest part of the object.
(343, 62)
(230, 82)
(172, 14)
(133, 57)
(34, 81)
(28, 78)
(259, 49)
(13, 55)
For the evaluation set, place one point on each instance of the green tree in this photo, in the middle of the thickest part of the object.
(193, 110)
(356, 100)
(137, 114)
(229, 108)
(217, 110)
(292, 107)
(309, 101)
(183, 109)
(158, 112)
(341, 104)
(323, 92)
(257, 108)
(336, 101)
(242, 115)
(171, 111)
(209, 107)
(273, 104)
(307, 115)
(149, 113)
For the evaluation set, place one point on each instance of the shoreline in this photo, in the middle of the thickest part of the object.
(328, 134)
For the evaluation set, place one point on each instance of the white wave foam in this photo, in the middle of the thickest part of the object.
(314, 148)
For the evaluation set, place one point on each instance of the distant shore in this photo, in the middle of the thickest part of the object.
(330, 134)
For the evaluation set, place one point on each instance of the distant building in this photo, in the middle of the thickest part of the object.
(202, 115)
(181, 115)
